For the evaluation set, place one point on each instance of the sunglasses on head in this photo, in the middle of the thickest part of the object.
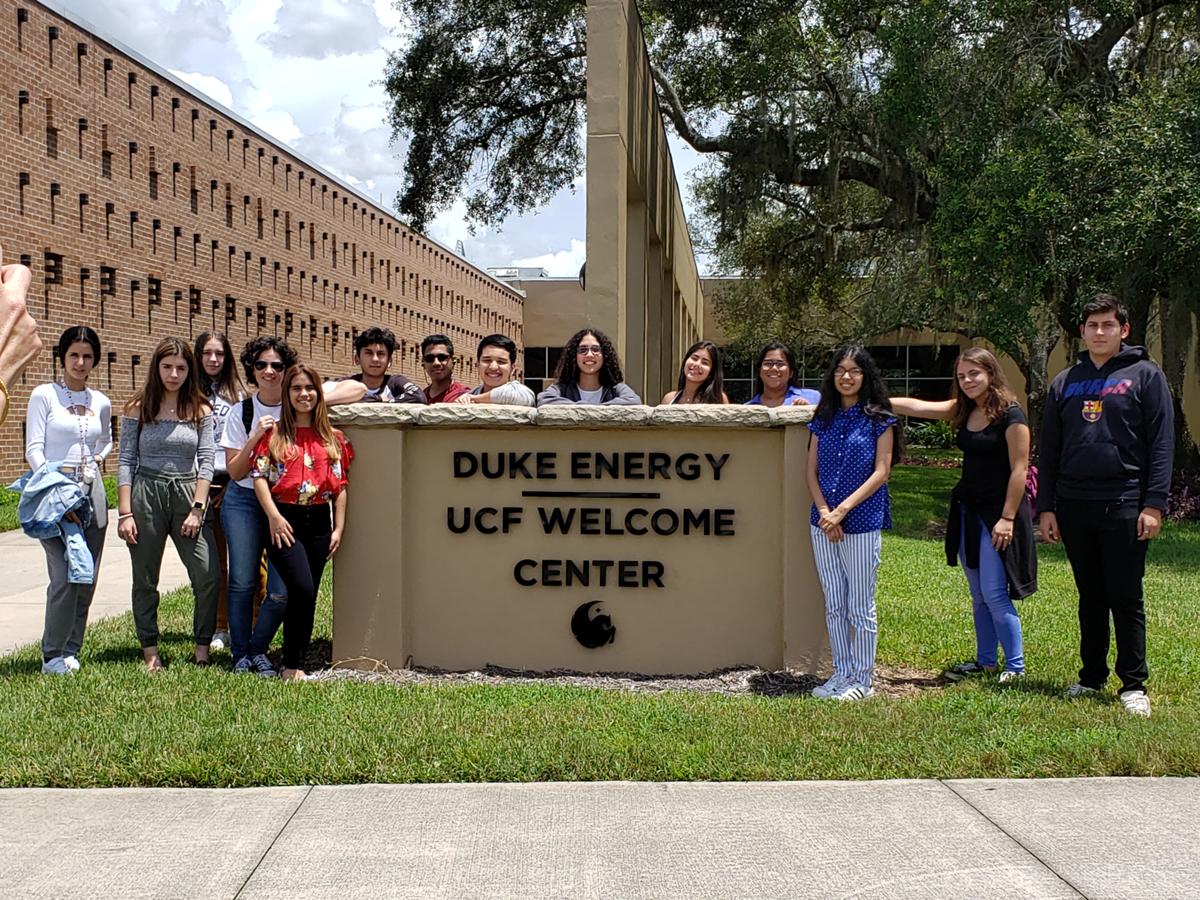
(261, 364)
(436, 357)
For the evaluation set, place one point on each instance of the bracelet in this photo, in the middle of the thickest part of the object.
(126, 516)
(7, 402)
(1009, 518)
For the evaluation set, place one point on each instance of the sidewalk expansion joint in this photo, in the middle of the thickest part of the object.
(274, 841)
(1004, 831)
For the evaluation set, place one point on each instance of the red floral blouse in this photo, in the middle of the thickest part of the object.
(308, 477)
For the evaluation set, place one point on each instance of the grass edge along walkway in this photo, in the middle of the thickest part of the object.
(112, 725)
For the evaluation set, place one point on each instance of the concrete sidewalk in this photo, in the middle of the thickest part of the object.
(23, 582)
(1107, 837)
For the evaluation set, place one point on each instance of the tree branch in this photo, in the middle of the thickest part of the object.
(672, 106)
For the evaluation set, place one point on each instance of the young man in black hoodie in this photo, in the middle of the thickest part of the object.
(1108, 439)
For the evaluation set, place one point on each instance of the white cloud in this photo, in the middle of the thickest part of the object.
(560, 263)
(210, 85)
(317, 29)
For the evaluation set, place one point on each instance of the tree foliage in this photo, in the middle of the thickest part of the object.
(977, 166)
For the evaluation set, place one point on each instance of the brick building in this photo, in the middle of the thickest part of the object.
(146, 210)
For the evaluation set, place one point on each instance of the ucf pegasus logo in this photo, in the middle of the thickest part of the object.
(1092, 410)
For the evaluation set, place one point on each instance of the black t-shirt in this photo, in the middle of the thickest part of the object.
(985, 466)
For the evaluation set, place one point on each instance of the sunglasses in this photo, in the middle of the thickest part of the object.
(589, 350)
(262, 365)
(436, 357)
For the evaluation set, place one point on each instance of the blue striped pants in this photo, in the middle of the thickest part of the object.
(848, 572)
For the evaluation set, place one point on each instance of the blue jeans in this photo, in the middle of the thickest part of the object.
(246, 531)
(996, 619)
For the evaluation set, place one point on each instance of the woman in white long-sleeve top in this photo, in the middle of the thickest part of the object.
(589, 372)
(71, 423)
(165, 469)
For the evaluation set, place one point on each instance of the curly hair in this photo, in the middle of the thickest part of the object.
(568, 364)
(872, 395)
(999, 395)
(261, 344)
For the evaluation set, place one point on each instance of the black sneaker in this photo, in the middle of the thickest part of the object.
(260, 665)
(964, 670)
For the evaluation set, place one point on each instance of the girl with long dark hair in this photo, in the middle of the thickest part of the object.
(301, 472)
(165, 468)
(70, 423)
(589, 371)
(701, 377)
(222, 387)
(990, 527)
(852, 449)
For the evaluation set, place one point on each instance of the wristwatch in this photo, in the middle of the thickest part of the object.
(198, 506)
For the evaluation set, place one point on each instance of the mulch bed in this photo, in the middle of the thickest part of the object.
(890, 681)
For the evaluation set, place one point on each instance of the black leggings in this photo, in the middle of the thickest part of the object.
(301, 566)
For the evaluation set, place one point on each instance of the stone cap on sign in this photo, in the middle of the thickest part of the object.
(454, 415)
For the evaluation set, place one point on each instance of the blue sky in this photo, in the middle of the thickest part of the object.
(307, 72)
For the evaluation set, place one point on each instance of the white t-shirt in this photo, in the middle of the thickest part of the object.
(592, 397)
(220, 407)
(234, 436)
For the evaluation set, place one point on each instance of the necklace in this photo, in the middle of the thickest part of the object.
(81, 423)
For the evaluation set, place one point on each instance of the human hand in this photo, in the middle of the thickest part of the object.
(281, 532)
(261, 427)
(831, 518)
(801, 401)
(192, 523)
(1048, 522)
(463, 398)
(127, 530)
(1002, 534)
(835, 534)
(1149, 523)
(19, 341)
(335, 541)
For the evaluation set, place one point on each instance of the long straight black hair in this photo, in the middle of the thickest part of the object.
(872, 394)
(713, 388)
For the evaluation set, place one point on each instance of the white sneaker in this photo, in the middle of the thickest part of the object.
(219, 641)
(1009, 675)
(853, 691)
(1080, 690)
(829, 688)
(72, 663)
(1136, 703)
(56, 666)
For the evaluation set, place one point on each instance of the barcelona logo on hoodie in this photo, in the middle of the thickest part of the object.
(1092, 410)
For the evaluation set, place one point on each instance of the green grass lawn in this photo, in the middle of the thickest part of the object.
(113, 725)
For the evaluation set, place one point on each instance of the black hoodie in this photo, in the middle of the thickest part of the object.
(1108, 433)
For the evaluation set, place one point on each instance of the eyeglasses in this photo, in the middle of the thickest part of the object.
(774, 364)
(589, 350)
(848, 373)
(261, 365)
(436, 357)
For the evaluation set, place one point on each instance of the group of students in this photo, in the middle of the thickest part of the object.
(194, 441)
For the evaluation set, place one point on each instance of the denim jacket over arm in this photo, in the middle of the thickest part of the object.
(47, 495)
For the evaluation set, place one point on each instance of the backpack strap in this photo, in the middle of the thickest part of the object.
(248, 415)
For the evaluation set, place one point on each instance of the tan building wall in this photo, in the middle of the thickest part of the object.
(643, 288)
(445, 566)
(146, 210)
